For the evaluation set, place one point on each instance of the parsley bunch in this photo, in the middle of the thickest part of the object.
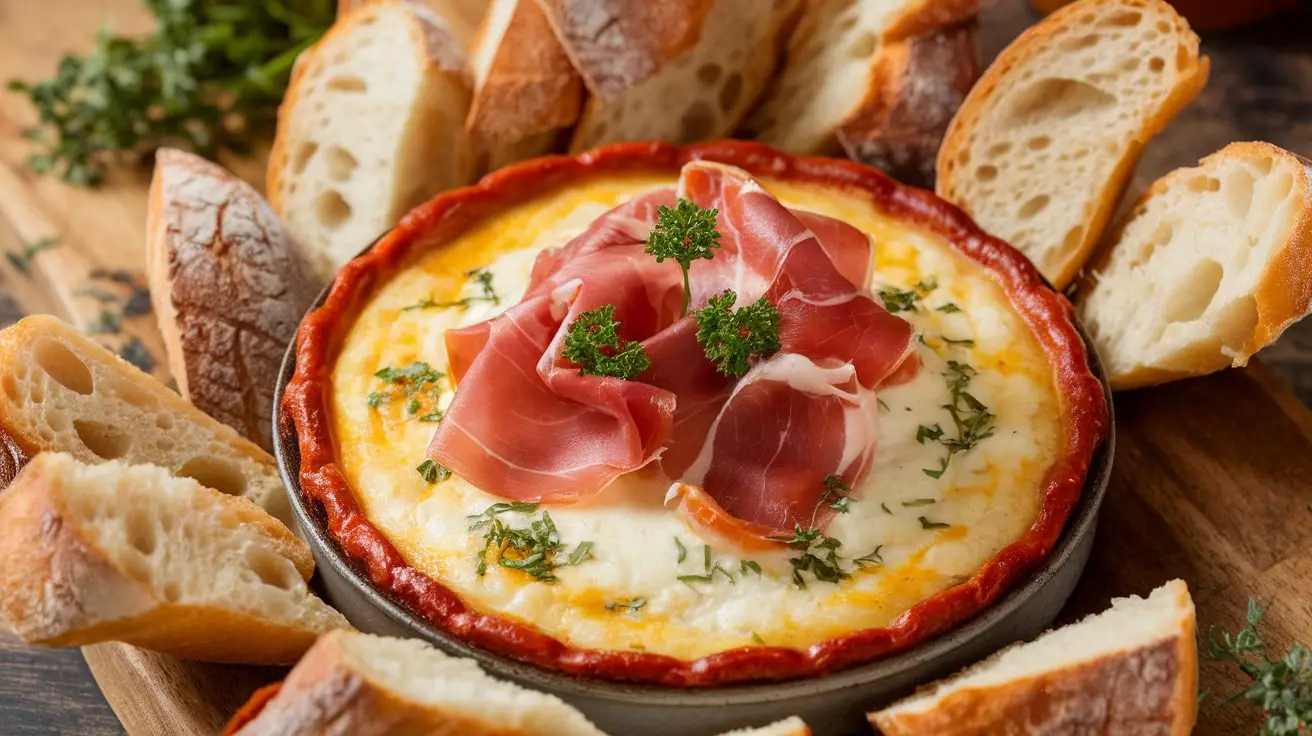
(1281, 687)
(684, 233)
(209, 78)
(731, 339)
(594, 345)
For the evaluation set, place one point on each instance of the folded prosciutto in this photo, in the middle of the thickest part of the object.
(752, 453)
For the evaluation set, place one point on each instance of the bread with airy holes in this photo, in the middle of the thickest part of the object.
(1131, 670)
(130, 553)
(352, 683)
(1043, 147)
(844, 68)
(701, 93)
(373, 124)
(1213, 263)
(229, 288)
(788, 727)
(62, 392)
(462, 16)
(526, 93)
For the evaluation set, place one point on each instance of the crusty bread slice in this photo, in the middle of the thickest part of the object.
(229, 288)
(703, 92)
(462, 16)
(788, 727)
(62, 392)
(618, 44)
(1132, 669)
(117, 552)
(914, 89)
(1212, 264)
(1041, 150)
(526, 92)
(363, 685)
(832, 74)
(372, 125)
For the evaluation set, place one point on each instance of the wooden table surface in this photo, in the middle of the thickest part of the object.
(1261, 89)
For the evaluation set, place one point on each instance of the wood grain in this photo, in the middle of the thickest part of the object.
(1210, 476)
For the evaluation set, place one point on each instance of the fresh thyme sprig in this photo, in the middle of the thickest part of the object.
(534, 549)
(482, 278)
(971, 419)
(594, 345)
(1281, 687)
(209, 78)
(684, 233)
(733, 339)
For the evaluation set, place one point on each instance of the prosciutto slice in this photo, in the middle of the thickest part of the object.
(752, 453)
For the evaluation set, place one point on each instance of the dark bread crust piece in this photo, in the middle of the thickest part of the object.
(12, 459)
(915, 89)
(229, 288)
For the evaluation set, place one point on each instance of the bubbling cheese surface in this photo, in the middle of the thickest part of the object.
(930, 533)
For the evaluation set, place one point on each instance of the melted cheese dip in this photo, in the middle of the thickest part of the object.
(930, 533)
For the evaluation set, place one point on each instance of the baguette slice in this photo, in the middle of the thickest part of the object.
(1211, 265)
(841, 71)
(363, 685)
(915, 88)
(117, 552)
(1130, 670)
(372, 125)
(526, 93)
(228, 286)
(462, 16)
(62, 392)
(12, 459)
(1044, 146)
(788, 727)
(703, 92)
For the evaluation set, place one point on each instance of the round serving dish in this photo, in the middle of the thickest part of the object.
(1019, 591)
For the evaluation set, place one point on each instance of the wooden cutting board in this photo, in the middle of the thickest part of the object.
(1210, 479)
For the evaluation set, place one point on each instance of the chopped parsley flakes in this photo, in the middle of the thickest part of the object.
(535, 549)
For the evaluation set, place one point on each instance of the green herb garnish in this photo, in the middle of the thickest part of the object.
(23, 260)
(732, 339)
(1282, 687)
(932, 434)
(751, 565)
(836, 494)
(927, 524)
(948, 308)
(972, 420)
(757, 638)
(683, 551)
(481, 277)
(135, 352)
(209, 78)
(899, 300)
(533, 549)
(919, 502)
(873, 558)
(594, 345)
(818, 556)
(107, 323)
(684, 233)
(412, 382)
(431, 472)
(629, 605)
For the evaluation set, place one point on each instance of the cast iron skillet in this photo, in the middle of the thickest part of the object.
(832, 705)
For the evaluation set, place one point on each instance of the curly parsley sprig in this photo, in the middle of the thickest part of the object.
(732, 339)
(594, 345)
(1281, 687)
(684, 233)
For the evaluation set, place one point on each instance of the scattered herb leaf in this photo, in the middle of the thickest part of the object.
(899, 300)
(481, 277)
(629, 605)
(532, 549)
(134, 351)
(23, 260)
(919, 502)
(757, 638)
(948, 308)
(432, 472)
(927, 524)
(873, 558)
(683, 551)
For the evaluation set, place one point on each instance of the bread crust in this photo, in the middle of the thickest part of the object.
(1150, 691)
(1284, 292)
(12, 459)
(618, 44)
(1035, 40)
(228, 286)
(915, 88)
(530, 88)
(60, 589)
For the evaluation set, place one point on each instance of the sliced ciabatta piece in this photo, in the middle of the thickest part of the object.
(619, 44)
(1044, 145)
(364, 685)
(62, 392)
(841, 70)
(526, 92)
(228, 286)
(1212, 264)
(1131, 670)
(130, 553)
(788, 727)
(372, 124)
(702, 93)
(915, 88)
